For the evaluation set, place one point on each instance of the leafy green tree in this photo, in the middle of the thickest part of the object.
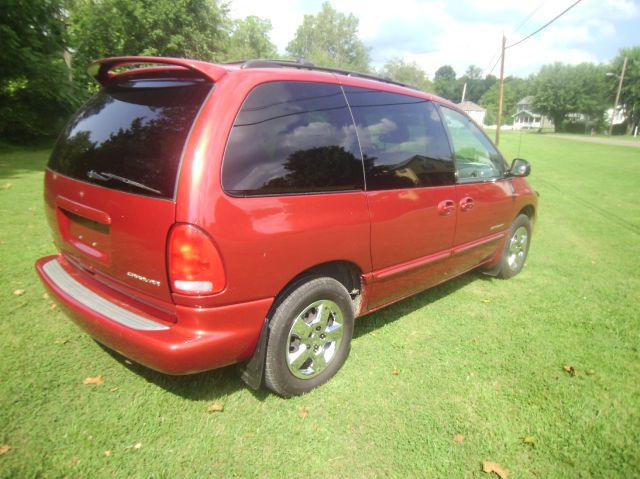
(250, 39)
(562, 89)
(476, 85)
(406, 72)
(630, 94)
(445, 85)
(330, 38)
(35, 89)
(182, 28)
(515, 89)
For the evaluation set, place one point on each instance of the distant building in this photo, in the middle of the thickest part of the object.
(526, 117)
(476, 112)
(619, 117)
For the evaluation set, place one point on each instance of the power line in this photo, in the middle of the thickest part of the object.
(496, 57)
(545, 25)
(522, 23)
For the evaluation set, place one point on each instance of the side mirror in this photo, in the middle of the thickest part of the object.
(520, 167)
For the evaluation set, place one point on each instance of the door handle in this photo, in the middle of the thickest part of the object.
(466, 203)
(446, 207)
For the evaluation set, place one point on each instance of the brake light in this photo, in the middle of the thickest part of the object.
(195, 265)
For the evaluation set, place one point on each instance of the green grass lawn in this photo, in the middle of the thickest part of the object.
(478, 357)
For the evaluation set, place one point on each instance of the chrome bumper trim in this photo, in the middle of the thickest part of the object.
(93, 301)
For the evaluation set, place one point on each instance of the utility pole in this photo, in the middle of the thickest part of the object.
(500, 96)
(615, 106)
(464, 91)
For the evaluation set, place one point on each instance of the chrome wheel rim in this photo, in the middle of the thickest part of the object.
(314, 339)
(517, 252)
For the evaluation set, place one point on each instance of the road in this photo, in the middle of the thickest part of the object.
(598, 139)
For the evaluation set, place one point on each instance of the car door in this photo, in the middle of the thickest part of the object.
(485, 197)
(410, 188)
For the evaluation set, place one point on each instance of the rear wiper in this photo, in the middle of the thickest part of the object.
(104, 176)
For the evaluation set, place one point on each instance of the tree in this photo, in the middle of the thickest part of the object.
(35, 89)
(630, 94)
(330, 38)
(562, 89)
(445, 84)
(406, 72)
(250, 39)
(187, 28)
(515, 89)
(476, 85)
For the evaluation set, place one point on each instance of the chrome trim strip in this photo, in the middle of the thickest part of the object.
(93, 301)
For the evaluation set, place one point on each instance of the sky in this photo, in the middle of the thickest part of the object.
(469, 32)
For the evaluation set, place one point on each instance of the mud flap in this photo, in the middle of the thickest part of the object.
(252, 370)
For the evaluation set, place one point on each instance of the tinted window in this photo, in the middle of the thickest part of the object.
(292, 137)
(130, 136)
(403, 141)
(476, 157)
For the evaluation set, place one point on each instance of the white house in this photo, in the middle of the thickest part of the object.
(476, 112)
(525, 117)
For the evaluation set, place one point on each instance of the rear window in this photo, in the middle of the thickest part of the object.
(130, 136)
(292, 137)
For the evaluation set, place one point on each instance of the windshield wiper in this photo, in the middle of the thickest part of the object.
(104, 176)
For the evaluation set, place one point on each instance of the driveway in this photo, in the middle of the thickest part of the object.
(598, 139)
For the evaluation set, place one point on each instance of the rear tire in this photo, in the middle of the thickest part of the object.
(516, 247)
(310, 337)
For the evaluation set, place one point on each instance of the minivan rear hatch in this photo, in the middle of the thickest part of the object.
(111, 179)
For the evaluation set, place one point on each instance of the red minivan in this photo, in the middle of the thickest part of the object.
(207, 215)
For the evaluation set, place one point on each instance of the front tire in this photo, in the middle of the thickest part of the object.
(310, 337)
(516, 247)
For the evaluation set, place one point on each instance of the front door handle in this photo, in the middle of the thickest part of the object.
(466, 203)
(446, 207)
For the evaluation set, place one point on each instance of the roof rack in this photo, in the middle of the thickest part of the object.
(262, 63)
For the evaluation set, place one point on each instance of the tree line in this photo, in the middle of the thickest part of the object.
(47, 45)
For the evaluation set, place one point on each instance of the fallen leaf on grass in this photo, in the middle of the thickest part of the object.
(485, 301)
(97, 380)
(529, 440)
(303, 412)
(458, 437)
(395, 372)
(137, 445)
(114, 389)
(107, 453)
(45, 296)
(216, 407)
(75, 459)
(490, 467)
(61, 342)
(570, 370)
(18, 292)
(4, 448)
(6, 186)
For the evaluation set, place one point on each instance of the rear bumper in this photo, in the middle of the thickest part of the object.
(201, 339)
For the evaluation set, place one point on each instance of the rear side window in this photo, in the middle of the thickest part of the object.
(404, 144)
(130, 136)
(292, 137)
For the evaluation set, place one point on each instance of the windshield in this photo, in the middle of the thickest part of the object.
(130, 136)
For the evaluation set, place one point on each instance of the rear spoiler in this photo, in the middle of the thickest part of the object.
(102, 70)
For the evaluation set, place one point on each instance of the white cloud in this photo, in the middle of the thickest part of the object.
(436, 33)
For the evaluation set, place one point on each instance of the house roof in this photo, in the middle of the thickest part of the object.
(470, 106)
(527, 100)
(527, 112)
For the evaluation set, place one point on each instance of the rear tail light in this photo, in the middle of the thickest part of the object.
(195, 265)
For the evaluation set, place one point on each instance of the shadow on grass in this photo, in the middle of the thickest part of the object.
(396, 311)
(219, 383)
(15, 161)
(209, 385)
